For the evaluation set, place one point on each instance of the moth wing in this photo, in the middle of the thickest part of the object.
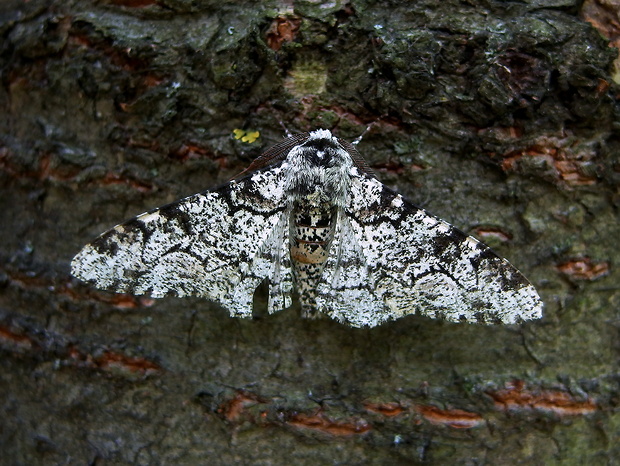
(390, 258)
(346, 290)
(220, 244)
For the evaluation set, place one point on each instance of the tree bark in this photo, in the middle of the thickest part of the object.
(499, 117)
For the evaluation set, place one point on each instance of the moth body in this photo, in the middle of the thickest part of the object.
(316, 174)
(312, 232)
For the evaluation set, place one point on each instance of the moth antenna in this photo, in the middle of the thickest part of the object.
(358, 139)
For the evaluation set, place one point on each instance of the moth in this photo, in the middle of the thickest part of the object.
(309, 216)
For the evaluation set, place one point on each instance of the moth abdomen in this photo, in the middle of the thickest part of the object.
(312, 232)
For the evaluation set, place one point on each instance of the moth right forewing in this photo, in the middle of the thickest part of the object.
(423, 265)
(274, 154)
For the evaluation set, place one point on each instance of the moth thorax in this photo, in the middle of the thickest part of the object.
(312, 230)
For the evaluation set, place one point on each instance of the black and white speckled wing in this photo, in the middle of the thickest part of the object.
(390, 258)
(220, 244)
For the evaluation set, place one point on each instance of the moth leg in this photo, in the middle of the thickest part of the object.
(280, 277)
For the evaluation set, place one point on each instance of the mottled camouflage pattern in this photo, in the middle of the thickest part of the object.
(310, 217)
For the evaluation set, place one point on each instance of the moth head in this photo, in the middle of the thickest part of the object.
(317, 170)
(323, 150)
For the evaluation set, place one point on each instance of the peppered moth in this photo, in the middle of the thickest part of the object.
(309, 215)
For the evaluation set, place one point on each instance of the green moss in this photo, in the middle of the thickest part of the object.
(306, 77)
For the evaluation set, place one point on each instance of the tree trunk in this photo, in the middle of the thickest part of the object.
(498, 117)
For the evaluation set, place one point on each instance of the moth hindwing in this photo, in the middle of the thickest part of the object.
(309, 215)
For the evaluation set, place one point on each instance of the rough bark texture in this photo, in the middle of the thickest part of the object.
(497, 116)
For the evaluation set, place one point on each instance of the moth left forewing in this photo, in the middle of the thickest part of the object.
(219, 244)
(416, 263)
